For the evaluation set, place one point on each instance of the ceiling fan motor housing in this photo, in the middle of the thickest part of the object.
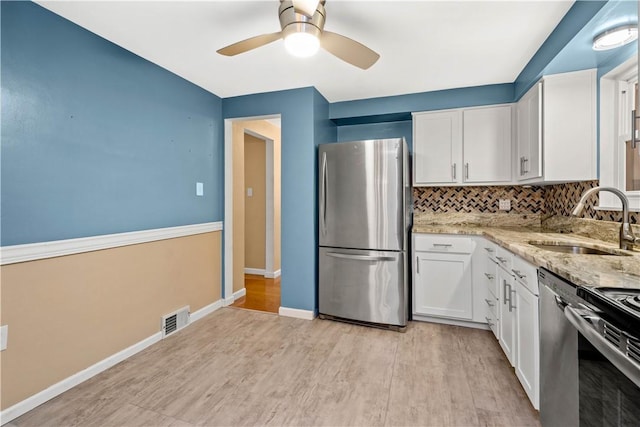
(292, 22)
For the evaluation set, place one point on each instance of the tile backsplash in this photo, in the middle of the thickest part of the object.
(550, 200)
(524, 200)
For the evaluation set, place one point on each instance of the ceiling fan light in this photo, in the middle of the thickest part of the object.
(301, 44)
(615, 37)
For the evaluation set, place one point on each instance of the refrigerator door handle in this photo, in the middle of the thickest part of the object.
(360, 257)
(323, 195)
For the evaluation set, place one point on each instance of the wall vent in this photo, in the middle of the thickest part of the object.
(175, 321)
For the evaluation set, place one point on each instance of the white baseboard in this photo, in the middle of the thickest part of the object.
(465, 323)
(272, 275)
(235, 296)
(37, 399)
(49, 393)
(297, 313)
(256, 271)
(208, 309)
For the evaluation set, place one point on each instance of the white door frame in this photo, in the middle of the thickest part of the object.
(228, 202)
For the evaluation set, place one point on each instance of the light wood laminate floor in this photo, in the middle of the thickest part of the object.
(239, 367)
(262, 294)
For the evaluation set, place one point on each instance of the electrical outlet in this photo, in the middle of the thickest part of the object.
(4, 332)
(249, 192)
(504, 204)
(199, 189)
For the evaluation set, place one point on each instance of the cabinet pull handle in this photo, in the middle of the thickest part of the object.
(502, 260)
(466, 171)
(518, 274)
(521, 166)
(489, 276)
(504, 292)
(453, 170)
(417, 265)
(489, 250)
(525, 163)
(442, 245)
(489, 302)
(511, 293)
(488, 321)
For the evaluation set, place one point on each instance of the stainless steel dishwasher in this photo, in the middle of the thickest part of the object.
(589, 355)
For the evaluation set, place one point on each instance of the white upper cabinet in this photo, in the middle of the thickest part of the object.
(529, 114)
(462, 146)
(487, 144)
(557, 129)
(437, 146)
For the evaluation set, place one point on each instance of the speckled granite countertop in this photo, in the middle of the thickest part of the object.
(587, 270)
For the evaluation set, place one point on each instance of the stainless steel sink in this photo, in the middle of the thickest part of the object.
(575, 248)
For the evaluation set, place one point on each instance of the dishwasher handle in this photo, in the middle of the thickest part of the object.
(585, 322)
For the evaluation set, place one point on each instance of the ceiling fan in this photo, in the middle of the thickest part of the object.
(302, 23)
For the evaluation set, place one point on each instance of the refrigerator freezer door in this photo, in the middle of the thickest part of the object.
(361, 192)
(366, 286)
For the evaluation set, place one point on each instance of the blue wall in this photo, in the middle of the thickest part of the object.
(305, 124)
(351, 112)
(96, 140)
(377, 131)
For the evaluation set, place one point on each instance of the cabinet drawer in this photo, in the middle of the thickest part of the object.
(489, 248)
(504, 258)
(491, 317)
(442, 243)
(489, 278)
(525, 273)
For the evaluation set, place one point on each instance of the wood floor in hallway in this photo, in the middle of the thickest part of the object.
(240, 367)
(262, 294)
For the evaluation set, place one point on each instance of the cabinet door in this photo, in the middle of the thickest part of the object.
(442, 285)
(507, 315)
(487, 144)
(528, 342)
(569, 126)
(529, 134)
(437, 142)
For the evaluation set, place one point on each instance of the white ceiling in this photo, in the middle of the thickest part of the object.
(424, 45)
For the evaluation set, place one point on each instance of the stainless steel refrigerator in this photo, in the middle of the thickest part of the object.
(364, 218)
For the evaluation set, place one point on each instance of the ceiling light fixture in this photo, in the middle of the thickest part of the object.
(615, 37)
(301, 44)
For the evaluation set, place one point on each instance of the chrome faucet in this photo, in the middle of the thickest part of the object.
(627, 238)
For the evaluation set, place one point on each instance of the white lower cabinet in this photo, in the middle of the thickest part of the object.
(506, 312)
(516, 314)
(442, 276)
(528, 343)
(443, 285)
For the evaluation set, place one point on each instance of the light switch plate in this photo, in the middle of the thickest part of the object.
(199, 189)
(4, 332)
(504, 204)
(249, 192)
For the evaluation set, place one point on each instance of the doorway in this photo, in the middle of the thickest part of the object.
(252, 214)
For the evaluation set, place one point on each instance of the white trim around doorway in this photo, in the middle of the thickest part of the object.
(228, 204)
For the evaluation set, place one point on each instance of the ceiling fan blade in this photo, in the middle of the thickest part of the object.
(305, 7)
(248, 44)
(348, 50)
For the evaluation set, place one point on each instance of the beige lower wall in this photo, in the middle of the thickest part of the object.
(255, 222)
(68, 313)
